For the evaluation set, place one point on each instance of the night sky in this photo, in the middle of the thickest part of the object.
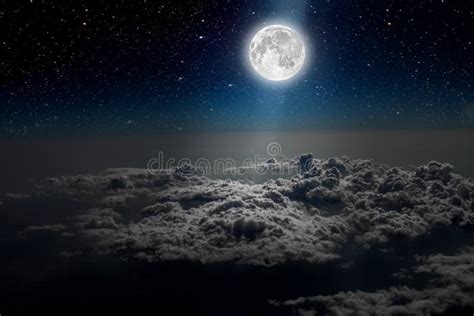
(151, 67)
(147, 165)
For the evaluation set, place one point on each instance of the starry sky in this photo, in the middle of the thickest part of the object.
(133, 67)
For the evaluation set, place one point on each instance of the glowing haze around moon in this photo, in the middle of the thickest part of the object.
(277, 52)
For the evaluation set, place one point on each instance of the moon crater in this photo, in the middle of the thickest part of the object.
(277, 52)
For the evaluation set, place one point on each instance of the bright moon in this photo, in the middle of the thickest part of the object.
(277, 52)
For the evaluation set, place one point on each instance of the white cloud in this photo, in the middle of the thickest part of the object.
(310, 217)
(453, 285)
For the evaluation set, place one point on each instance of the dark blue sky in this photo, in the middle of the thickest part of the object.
(141, 67)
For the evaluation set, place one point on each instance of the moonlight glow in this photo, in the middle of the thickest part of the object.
(277, 52)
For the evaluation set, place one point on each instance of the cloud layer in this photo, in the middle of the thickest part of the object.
(330, 204)
(452, 285)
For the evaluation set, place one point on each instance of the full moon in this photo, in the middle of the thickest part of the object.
(277, 52)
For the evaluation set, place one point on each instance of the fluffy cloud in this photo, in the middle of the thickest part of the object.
(452, 285)
(328, 205)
